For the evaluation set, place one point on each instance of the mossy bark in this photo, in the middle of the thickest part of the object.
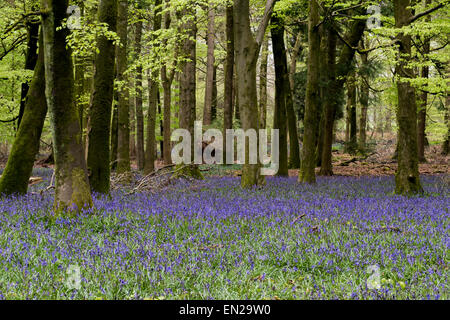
(140, 155)
(279, 120)
(72, 189)
(329, 107)
(209, 83)
(98, 159)
(123, 147)
(31, 57)
(188, 80)
(153, 90)
(337, 79)
(407, 179)
(263, 84)
(229, 74)
(26, 145)
(307, 168)
(364, 101)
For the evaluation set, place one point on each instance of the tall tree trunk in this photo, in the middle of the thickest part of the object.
(167, 79)
(207, 110)
(98, 158)
(407, 177)
(72, 186)
(214, 94)
(229, 74)
(336, 88)
(307, 173)
(364, 101)
(263, 84)
(329, 112)
(188, 83)
(123, 147)
(140, 155)
(246, 53)
(31, 57)
(351, 107)
(153, 91)
(446, 143)
(422, 114)
(26, 145)
(280, 121)
(114, 134)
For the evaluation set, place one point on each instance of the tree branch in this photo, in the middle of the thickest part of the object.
(264, 22)
(426, 12)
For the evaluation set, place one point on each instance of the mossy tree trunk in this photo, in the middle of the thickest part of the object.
(279, 119)
(123, 148)
(153, 92)
(31, 57)
(207, 108)
(26, 145)
(98, 159)
(329, 112)
(407, 176)
(188, 82)
(229, 74)
(338, 76)
(140, 155)
(263, 84)
(307, 168)
(364, 101)
(247, 49)
(167, 77)
(72, 189)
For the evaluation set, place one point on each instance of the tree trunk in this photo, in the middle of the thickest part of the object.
(167, 79)
(207, 110)
(153, 91)
(72, 185)
(188, 84)
(98, 159)
(307, 168)
(351, 107)
(140, 155)
(280, 121)
(31, 57)
(263, 84)
(364, 101)
(229, 74)
(342, 69)
(123, 148)
(407, 177)
(330, 107)
(26, 145)
(246, 53)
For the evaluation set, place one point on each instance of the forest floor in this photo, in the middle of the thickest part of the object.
(346, 237)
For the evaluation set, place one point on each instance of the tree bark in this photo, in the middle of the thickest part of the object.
(71, 180)
(280, 120)
(330, 107)
(307, 168)
(26, 145)
(229, 74)
(246, 52)
(123, 147)
(364, 101)
(153, 91)
(98, 158)
(140, 154)
(263, 84)
(207, 110)
(407, 176)
(31, 57)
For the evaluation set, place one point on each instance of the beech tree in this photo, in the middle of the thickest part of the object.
(71, 180)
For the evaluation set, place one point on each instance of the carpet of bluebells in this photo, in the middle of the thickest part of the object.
(217, 241)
